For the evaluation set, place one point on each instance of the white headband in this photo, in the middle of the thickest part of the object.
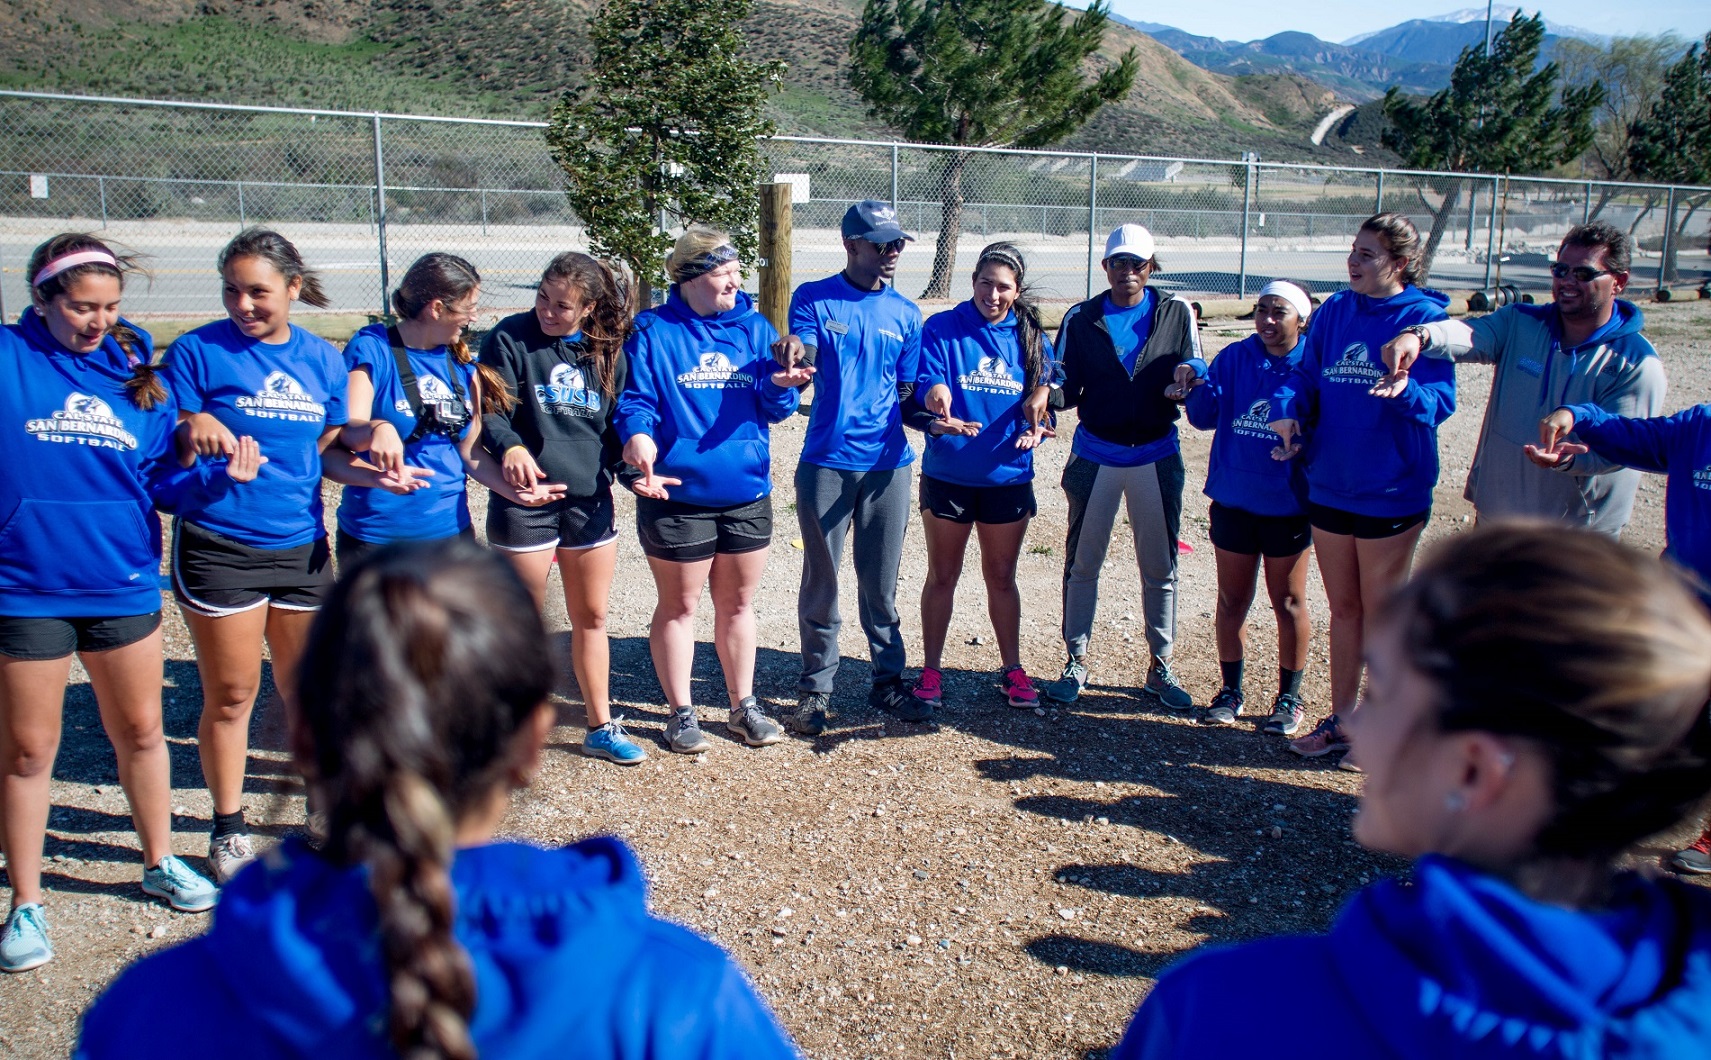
(1290, 293)
(71, 261)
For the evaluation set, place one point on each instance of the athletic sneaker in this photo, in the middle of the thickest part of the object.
(24, 942)
(1161, 685)
(182, 886)
(749, 722)
(890, 697)
(1328, 738)
(927, 687)
(1070, 684)
(809, 718)
(683, 732)
(612, 743)
(1696, 858)
(1019, 689)
(1285, 715)
(228, 854)
(1225, 709)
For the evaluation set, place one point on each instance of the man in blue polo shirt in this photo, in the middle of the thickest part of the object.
(864, 340)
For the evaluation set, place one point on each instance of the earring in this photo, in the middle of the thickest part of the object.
(1455, 802)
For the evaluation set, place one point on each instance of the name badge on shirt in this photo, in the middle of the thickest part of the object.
(1530, 366)
(837, 327)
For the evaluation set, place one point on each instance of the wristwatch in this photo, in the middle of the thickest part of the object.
(1419, 332)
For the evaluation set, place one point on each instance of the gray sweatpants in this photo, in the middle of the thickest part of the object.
(827, 502)
(1153, 493)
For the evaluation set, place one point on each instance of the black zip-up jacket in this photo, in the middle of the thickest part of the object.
(561, 416)
(1120, 407)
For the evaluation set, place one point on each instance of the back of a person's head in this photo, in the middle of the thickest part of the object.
(423, 668)
(1587, 650)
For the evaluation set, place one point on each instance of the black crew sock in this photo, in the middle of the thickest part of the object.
(226, 824)
(1232, 675)
(1289, 682)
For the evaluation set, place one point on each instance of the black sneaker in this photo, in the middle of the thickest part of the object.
(1285, 715)
(893, 697)
(809, 718)
(1225, 709)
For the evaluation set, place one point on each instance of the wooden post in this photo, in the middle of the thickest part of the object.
(775, 255)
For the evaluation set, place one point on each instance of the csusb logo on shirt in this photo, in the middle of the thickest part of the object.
(85, 420)
(1252, 423)
(991, 376)
(283, 398)
(432, 388)
(1355, 367)
(566, 393)
(714, 372)
(1702, 478)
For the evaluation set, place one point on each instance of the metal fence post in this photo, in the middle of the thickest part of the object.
(101, 184)
(894, 176)
(380, 212)
(1378, 207)
(1586, 206)
(1092, 211)
(1491, 242)
(243, 221)
(1668, 238)
(483, 211)
(1247, 206)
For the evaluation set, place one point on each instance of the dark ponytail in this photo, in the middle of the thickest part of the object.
(145, 387)
(420, 672)
(606, 289)
(445, 278)
(279, 252)
(1030, 332)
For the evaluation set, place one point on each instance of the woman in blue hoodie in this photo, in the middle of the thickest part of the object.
(86, 438)
(695, 419)
(1258, 512)
(412, 931)
(1372, 461)
(1537, 707)
(987, 370)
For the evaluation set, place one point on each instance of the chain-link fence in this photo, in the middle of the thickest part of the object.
(365, 194)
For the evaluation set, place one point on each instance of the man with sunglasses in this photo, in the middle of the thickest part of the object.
(864, 340)
(1119, 351)
(1585, 348)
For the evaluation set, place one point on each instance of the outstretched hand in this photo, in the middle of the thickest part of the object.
(405, 480)
(1186, 379)
(640, 453)
(1289, 430)
(1553, 449)
(1399, 355)
(938, 402)
(795, 375)
(245, 461)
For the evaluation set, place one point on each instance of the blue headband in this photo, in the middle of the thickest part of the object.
(706, 263)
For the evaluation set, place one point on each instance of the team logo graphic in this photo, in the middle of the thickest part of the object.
(283, 398)
(714, 371)
(991, 376)
(1355, 367)
(433, 390)
(85, 420)
(1702, 478)
(1252, 423)
(567, 393)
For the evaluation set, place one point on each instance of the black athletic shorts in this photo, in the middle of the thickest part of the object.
(1365, 527)
(216, 576)
(956, 503)
(1252, 534)
(581, 522)
(37, 639)
(689, 533)
(348, 550)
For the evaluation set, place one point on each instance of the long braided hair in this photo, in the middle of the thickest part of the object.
(1030, 333)
(424, 665)
(145, 387)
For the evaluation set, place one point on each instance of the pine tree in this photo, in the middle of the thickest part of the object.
(1499, 115)
(980, 73)
(1671, 141)
(666, 130)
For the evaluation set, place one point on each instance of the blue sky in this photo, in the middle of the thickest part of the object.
(1338, 20)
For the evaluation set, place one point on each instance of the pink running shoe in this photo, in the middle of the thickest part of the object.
(1328, 738)
(926, 688)
(1019, 689)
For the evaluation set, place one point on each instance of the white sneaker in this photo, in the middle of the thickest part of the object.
(229, 854)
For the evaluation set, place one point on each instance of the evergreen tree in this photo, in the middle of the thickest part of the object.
(1499, 115)
(666, 131)
(1671, 141)
(980, 73)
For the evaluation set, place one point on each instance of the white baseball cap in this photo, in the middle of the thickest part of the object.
(1130, 239)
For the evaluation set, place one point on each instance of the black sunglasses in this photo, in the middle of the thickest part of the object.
(1581, 273)
(1125, 263)
(894, 247)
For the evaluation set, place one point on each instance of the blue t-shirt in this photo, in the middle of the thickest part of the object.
(285, 396)
(441, 509)
(1130, 328)
(983, 366)
(867, 342)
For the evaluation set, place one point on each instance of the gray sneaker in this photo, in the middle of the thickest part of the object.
(1161, 685)
(1068, 687)
(809, 718)
(749, 722)
(227, 855)
(683, 733)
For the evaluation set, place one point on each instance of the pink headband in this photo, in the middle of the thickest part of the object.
(71, 261)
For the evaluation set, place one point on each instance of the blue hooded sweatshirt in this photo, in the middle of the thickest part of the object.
(1371, 456)
(702, 389)
(982, 364)
(567, 963)
(1678, 447)
(1235, 401)
(85, 469)
(1457, 964)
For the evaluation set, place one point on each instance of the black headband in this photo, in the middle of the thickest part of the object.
(720, 255)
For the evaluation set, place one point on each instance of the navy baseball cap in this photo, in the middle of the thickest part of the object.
(874, 221)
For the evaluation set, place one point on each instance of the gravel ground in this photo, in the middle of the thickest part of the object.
(1001, 884)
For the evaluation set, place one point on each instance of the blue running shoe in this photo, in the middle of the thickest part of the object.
(24, 942)
(182, 886)
(612, 743)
